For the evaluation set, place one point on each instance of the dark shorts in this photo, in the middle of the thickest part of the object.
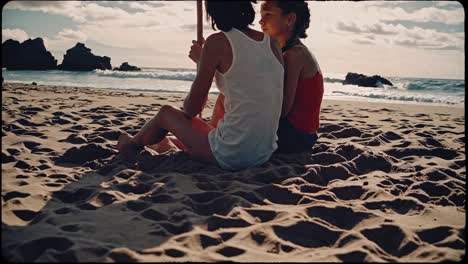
(293, 140)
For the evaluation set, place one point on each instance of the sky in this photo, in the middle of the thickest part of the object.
(389, 38)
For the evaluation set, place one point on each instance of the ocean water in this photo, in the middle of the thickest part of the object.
(405, 90)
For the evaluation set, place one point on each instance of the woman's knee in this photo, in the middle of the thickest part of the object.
(165, 111)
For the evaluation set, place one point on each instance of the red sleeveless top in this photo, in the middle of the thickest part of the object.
(305, 111)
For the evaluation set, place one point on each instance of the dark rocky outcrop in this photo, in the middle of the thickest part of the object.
(127, 67)
(367, 81)
(29, 55)
(80, 58)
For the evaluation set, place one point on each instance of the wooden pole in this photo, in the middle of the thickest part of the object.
(199, 21)
(199, 30)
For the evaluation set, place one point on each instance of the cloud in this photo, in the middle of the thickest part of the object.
(388, 27)
(427, 14)
(193, 27)
(378, 29)
(65, 8)
(349, 27)
(450, 5)
(429, 39)
(64, 40)
(363, 41)
(72, 35)
(381, 29)
(15, 34)
(145, 7)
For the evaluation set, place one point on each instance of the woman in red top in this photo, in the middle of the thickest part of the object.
(287, 22)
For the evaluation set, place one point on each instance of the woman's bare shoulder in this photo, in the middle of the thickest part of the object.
(216, 40)
(295, 54)
(216, 37)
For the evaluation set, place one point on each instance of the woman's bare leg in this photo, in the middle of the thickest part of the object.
(193, 133)
(174, 143)
(218, 114)
(165, 145)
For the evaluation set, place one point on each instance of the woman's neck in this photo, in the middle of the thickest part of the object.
(287, 39)
(289, 43)
(245, 30)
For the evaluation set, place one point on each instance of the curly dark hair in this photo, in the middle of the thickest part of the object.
(228, 14)
(301, 9)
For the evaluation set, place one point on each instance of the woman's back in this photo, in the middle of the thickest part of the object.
(253, 89)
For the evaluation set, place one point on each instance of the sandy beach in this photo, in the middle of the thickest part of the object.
(385, 182)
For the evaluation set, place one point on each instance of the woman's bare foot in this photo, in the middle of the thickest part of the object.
(164, 146)
(126, 145)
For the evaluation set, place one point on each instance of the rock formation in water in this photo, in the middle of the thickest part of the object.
(29, 55)
(80, 58)
(367, 81)
(127, 67)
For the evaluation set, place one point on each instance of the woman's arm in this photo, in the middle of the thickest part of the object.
(218, 111)
(193, 103)
(293, 64)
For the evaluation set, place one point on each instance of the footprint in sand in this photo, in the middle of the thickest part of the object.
(432, 189)
(43, 150)
(326, 158)
(31, 250)
(175, 253)
(103, 199)
(308, 234)
(392, 239)
(176, 229)
(60, 121)
(25, 215)
(133, 187)
(208, 241)
(348, 151)
(278, 194)
(342, 217)
(78, 195)
(230, 251)
(89, 152)
(221, 205)
(71, 228)
(7, 158)
(348, 192)
(154, 215)
(347, 132)
(14, 194)
(431, 143)
(74, 139)
(137, 205)
(27, 123)
(329, 128)
(447, 154)
(436, 234)
(406, 206)
(23, 165)
(354, 256)
(216, 222)
(262, 215)
(205, 197)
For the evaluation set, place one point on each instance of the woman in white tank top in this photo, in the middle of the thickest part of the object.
(248, 65)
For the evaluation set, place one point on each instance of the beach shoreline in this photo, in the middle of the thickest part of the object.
(385, 182)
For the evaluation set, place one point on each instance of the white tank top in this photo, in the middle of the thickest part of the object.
(253, 90)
